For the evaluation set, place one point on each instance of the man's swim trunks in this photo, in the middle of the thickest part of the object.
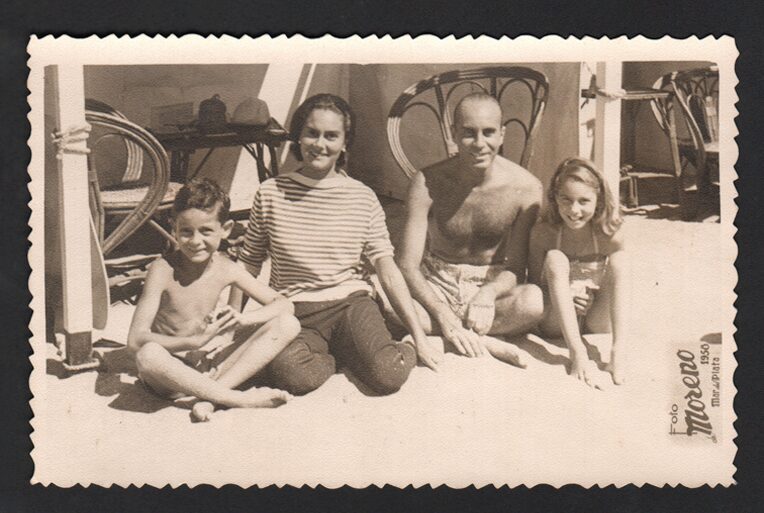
(456, 284)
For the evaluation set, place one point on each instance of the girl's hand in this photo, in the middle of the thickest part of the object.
(586, 371)
(583, 298)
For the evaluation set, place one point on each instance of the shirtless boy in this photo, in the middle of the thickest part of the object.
(465, 242)
(184, 346)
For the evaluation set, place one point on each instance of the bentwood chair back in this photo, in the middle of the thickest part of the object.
(696, 93)
(441, 93)
(136, 198)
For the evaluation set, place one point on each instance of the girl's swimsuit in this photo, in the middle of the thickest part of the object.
(586, 273)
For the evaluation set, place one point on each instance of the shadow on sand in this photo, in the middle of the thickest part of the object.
(535, 346)
(130, 395)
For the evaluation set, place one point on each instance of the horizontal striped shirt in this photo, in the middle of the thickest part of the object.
(317, 233)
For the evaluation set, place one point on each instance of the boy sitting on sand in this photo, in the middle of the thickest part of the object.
(184, 346)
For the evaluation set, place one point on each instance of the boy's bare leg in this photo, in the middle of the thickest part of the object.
(251, 357)
(165, 373)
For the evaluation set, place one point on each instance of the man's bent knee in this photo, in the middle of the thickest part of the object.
(531, 302)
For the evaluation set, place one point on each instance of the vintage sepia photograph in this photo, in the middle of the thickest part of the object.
(382, 261)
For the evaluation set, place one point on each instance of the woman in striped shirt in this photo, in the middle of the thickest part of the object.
(319, 226)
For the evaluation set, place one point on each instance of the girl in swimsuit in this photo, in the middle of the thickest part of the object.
(577, 257)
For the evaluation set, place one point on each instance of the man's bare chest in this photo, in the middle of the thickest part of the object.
(481, 218)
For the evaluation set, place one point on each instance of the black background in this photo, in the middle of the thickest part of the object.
(19, 19)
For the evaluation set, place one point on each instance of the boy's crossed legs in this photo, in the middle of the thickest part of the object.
(167, 375)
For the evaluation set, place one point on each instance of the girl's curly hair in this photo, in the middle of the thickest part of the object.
(606, 215)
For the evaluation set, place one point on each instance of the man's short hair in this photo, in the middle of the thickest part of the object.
(203, 194)
(478, 96)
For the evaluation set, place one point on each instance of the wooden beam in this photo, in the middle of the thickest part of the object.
(74, 217)
(607, 135)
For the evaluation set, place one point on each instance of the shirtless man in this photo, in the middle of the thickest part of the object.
(465, 242)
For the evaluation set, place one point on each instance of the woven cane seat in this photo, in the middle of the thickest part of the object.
(127, 197)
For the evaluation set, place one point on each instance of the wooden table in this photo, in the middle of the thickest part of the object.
(255, 139)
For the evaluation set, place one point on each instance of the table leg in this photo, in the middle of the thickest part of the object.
(179, 165)
(256, 151)
(199, 166)
(274, 160)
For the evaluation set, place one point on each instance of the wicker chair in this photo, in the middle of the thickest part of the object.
(492, 80)
(696, 92)
(132, 202)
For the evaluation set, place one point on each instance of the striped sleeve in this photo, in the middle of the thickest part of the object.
(378, 243)
(255, 248)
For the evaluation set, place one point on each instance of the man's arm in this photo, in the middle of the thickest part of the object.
(516, 248)
(418, 204)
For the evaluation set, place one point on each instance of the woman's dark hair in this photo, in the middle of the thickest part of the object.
(606, 215)
(203, 194)
(322, 101)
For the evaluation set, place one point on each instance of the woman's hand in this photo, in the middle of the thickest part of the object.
(428, 353)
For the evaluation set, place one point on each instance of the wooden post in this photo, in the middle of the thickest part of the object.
(607, 136)
(74, 218)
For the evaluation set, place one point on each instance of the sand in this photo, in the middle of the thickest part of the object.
(476, 421)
